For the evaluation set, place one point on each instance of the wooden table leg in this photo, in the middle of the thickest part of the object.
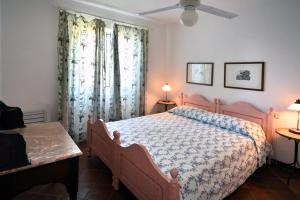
(295, 162)
(6, 184)
(72, 185)
(166, 107)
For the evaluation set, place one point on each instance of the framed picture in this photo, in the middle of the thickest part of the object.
(200, 73)
(244, 75)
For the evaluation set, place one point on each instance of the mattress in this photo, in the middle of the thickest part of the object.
(212, 160)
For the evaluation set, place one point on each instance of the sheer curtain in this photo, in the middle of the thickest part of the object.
(100, 71)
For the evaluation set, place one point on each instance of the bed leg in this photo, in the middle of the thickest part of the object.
(117, 143)
(115, 182)
(88, 151)
(174, 186)
(89, 135)
(269, 161)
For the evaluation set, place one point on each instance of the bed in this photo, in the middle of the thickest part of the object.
(205, 157)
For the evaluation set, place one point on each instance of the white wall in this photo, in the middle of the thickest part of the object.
(266, 31)
(29, 53)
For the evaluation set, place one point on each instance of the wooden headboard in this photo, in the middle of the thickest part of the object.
(249, 112)
(239, 109)
(198, 101)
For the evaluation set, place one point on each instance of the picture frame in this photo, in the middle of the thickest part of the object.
(244, 75)
(200, 73)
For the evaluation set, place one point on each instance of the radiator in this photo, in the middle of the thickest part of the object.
(34, 117)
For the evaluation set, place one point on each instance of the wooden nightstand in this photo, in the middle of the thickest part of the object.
(291, 136)
(166, 103)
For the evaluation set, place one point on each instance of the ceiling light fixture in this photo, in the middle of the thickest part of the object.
(189, 16)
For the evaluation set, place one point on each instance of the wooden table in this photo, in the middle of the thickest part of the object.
(291, 136)
(54, 158)
(166, 103)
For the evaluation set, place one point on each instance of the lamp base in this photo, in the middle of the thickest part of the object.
(293, 130)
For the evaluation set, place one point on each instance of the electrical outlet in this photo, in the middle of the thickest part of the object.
(276, 115)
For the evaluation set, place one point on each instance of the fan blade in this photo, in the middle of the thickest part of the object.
(216, 11)
(160, 10)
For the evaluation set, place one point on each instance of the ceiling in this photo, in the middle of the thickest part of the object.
(136, 6)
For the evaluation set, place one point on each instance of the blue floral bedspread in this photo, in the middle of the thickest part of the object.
(214, 153)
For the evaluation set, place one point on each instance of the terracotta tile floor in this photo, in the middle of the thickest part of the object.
(268, 182)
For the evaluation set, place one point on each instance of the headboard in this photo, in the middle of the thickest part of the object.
(249, 112)
(198, 101)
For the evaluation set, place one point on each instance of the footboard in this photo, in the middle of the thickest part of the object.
(135, 168)
(132, 165)
(99, 141)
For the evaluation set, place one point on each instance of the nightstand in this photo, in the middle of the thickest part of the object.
(291, 136)
(166, 103)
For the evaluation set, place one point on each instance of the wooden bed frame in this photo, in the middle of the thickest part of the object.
(249, 112)
(133, 165)
(199, 101)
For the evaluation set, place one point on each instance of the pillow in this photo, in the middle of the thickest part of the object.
(223, 121)
(249, 129)
(231, 123)
(187, 111)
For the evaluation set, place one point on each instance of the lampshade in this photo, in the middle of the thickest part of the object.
(295, 106)
(166, 88)
(189, 16)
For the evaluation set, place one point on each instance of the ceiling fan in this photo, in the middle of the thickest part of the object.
(189, 16)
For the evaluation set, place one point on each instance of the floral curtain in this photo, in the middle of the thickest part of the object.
(101, 71)
(104, 101)
(131, 46)
(80, 61)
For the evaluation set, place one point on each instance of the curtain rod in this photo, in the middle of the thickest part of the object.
(104, 18)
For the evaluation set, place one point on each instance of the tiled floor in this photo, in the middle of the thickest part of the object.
(266, 183)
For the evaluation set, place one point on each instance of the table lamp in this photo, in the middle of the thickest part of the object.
(166, 88)
(295, 106)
